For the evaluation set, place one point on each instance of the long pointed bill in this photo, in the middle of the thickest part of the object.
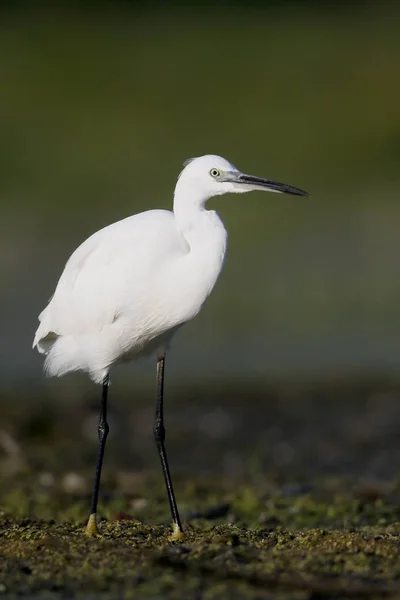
(267, 184)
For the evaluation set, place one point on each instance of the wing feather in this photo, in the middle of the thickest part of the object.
(114, 270)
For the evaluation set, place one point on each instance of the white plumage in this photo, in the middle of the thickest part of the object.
(130, 286)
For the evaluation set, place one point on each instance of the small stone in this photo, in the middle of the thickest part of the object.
(73, 483)
(138, 504)
(46, 479)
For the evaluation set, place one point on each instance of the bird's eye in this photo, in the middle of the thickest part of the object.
(215, 173)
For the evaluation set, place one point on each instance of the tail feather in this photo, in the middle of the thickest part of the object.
(67, 353)
(63, 355)
(44, 343)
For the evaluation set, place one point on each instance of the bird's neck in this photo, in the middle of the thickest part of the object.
(189, 207)
(202, 229)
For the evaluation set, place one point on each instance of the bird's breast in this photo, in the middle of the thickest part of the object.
(190, 279)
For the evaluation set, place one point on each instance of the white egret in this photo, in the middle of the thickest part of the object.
(129, 287)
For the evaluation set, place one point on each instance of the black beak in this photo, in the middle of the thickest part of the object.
(267, 184)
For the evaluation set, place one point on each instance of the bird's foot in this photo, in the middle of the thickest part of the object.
(177, 534)
(91, 527)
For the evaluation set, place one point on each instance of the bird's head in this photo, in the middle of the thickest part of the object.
(212, 175)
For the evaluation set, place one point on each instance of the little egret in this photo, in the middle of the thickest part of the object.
(129, 287)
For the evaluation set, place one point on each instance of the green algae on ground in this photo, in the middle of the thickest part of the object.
(266, 529)
(303, 550)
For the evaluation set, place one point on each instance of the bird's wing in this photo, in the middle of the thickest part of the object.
(113, 270)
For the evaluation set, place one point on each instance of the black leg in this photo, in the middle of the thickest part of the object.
(103, 429)
(159, 434)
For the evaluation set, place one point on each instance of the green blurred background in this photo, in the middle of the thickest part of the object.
(100, 107)
(100, 104)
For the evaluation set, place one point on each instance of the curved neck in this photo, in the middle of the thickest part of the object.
(189, 204)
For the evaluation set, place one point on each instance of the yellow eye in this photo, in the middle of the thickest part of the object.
(215, 173)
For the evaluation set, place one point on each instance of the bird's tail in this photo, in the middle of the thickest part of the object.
(67, 353)
(62, 354)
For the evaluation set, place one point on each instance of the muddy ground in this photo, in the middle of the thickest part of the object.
(290, 491)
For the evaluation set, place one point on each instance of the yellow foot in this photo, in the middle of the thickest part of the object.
(177, 534)
(91, 527)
